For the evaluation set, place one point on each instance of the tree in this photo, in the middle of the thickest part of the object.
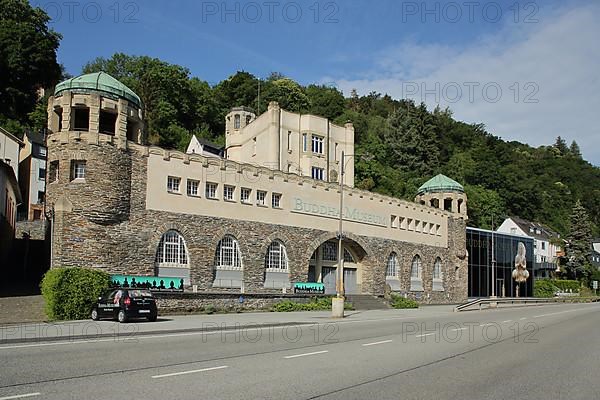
(561, 146)
(288, 93)
(410, 138)
(578, 243)
(27, 58)
(325, 101)
(574, 149)
(483, 206)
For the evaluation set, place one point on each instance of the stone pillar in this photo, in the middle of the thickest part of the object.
(66, 113)
(94, 129)
(121, 129)
(441, 201)
(454, 205)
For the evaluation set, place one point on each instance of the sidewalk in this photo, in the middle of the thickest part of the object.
(22, 309)
(91, 330)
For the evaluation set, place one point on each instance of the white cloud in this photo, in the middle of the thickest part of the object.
(555, 61)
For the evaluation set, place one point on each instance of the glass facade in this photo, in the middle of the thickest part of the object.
(479, 245)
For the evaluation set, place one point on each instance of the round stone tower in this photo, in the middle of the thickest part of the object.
(93, 119)
(443, 193)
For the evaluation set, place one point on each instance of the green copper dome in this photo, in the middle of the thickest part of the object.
(100, 82)
(441, 183)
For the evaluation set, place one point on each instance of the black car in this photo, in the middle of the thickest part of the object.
(123, 304)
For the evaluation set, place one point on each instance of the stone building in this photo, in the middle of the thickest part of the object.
(235, 224)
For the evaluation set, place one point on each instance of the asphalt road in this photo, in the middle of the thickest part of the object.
(545, 352)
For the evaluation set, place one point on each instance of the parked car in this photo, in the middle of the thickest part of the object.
(125, 304)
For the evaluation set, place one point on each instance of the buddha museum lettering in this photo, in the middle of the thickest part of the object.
(350, 214)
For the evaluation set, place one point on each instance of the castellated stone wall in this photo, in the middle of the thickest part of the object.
(102, 222)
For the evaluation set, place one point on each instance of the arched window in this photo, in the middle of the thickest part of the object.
(348, 258)
(437, 269)
(172, 257)
(416, 273)
(391, 271)
(228, 254)
(172, 250)
(236, 121)
(276, 258)
(438, 282)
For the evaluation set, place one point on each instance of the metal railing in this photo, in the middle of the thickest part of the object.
(480, 303)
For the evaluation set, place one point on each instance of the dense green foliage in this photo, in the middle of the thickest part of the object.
(407, 143)
(548, 287)
(315, 304)
(27, 63)
(578, 249)
(70, 293)
(398, 301)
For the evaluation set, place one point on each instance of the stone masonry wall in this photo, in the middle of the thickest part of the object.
(103, 223)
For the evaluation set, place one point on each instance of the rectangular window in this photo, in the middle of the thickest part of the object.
(304, 142)
(192, 187)
(317, 173)
(53, 172)
(289, 143)
(236, 121)
(77, 169)
(393, 221)
(276, 200)
(228, 193)
(254, 146)
(211, 190)
(402, 222)
(42, 174)
(173, 183)
(41, 196)
(417, 225)
(107, 123)
(543, 245)
(260, 197)
(411, 226)
(245, 195)
(317, 144)
(335, 152)
(82, 119)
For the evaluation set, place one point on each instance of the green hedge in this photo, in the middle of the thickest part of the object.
(70, 293)
(315, 304)
(402, 302)
(547, 287)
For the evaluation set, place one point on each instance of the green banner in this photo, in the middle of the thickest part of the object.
(309, 288)
(147, 282)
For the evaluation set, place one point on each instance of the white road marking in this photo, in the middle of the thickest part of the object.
(187, 372)
(485, 324)
(522, 318)
(307, 354)
(507, 321)
(458, 329)
(375, 343)
(20, 396)
(426, 334)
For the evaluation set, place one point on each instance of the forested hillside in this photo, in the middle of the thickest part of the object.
(408, 143)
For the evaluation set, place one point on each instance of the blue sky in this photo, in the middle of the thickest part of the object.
(527, 70)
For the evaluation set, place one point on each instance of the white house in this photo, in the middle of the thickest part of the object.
(545, 252)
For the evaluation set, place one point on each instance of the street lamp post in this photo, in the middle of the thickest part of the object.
(337, 304)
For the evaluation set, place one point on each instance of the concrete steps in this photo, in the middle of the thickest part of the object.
(367, 302)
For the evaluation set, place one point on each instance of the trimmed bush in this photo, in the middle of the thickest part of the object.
(315, 304)
(70, 293)
(544, 288)
(402, 302)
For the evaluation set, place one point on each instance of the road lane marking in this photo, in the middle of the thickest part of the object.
(522, 318)
(485, 324)
(507, 321)
(458, 329)
(20, 396)
(375, 343)
(307, 354)
(187, 372)
(426, 334)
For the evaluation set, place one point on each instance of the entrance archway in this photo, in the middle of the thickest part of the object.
(324, 262)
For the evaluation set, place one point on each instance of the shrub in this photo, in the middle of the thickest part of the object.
(544, 288)
(402, 302)
(70, 293)
(315, 304)
(565, 285)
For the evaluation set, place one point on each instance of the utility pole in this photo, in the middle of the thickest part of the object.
(337, 304)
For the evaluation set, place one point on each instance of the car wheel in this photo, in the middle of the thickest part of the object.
(152, 318)
(122, 317)
(95, 315)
